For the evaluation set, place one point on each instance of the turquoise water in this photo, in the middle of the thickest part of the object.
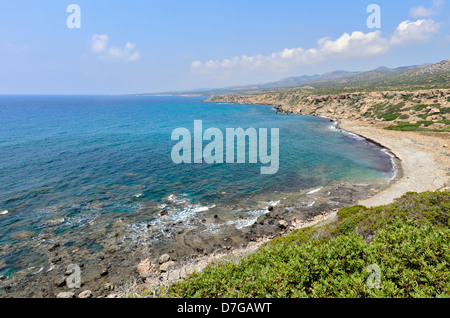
(64, 159)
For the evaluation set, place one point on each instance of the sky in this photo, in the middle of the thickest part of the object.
(135, 46)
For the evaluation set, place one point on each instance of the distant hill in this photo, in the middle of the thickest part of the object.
(416, 77)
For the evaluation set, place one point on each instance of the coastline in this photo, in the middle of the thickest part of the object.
(196, 250)
(421, 163)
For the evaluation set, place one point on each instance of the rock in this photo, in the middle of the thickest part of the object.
(60, 282)
(53, 247)
(147, 269)
(56, 221)
(85, 294)
(270, 208)
(164, 258)
(167, 266)
(66, 295)
(294, 222)
(112, 296)
(283, 224)
(108, 286)
(56, 259)
(3, 277)
(435, 111)
(104, 272)
(163, 213)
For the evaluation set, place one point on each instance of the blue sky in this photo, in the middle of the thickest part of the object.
(140, 46)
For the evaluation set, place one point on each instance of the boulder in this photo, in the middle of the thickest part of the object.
(283, 224)
(164, 258)
(66, 295)
(147, 269)
(435, 111)
(85, 294)
(60, 282)
(167, 266)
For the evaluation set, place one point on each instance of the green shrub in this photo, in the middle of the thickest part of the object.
(419, 107)
(389, 117)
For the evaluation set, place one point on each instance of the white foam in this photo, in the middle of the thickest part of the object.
(52, 266)
(254, 215)
(175, 199)
(315, 191)
(309, 204)
(395, 170)
(139, 195)
(273, 203)
(354, 136)
(4, 212)
(187, 211)
(243, 223)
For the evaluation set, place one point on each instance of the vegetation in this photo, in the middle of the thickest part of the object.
(420, 126)
(409, 240)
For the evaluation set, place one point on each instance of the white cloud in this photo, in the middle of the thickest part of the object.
(99, 45)
(17, 48)
(99, 42)
(422, 12)
(356, 44)
(128, 53)
(412, 32)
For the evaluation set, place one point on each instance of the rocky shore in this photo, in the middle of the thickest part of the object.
(421, 158)
(373, 107)
(295, 211)
(126, 261)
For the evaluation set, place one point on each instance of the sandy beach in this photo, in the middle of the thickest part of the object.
(424, 159)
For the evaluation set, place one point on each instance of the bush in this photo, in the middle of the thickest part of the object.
(389, 117)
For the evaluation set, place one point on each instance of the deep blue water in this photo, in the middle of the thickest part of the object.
(71, 156)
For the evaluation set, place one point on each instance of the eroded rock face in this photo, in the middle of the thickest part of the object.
(356, 106)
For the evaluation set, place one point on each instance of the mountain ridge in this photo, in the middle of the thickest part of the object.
(421, 76)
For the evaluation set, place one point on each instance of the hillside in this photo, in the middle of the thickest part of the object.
(425, 76)
(401, 110)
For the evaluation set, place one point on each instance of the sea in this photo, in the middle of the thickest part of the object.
(74, 167)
